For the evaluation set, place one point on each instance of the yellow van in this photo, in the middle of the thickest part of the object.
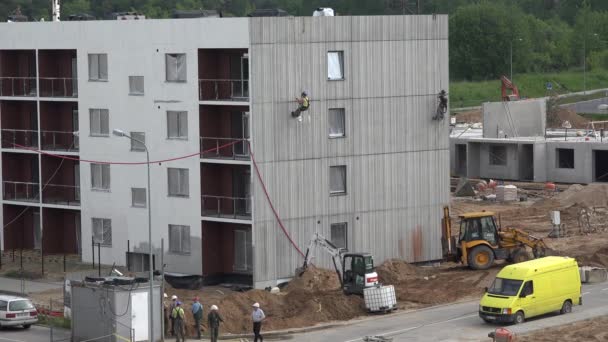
(532, 288)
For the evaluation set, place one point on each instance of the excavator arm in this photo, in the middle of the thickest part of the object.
(507, 84)
(330, 248)
(511, 237)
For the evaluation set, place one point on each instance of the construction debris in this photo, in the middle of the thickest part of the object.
(592, 275)
(464, 188)
(506, 193)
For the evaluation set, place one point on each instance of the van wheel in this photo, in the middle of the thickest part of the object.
(519, 318)
(26, 326)
(481, 258)
(566, 308)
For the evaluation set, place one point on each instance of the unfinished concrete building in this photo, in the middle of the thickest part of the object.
(366, 167)
(514, 144)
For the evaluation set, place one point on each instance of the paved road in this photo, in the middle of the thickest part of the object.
(457, 322)
(588, 106)
(33, 334)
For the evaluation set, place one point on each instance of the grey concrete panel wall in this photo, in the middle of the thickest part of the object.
(515, 119)
(540, 162)
(508, 171)
(397, 158)
(473, 160)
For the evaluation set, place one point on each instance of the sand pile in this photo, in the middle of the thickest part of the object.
(598, 259)
(583, 331)
(314, 297)
(395, 271)
(592, 195)
(560, 114)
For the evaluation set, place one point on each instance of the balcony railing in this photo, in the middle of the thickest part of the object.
(20, 191)
(17, 86)
(58, 87)
(11, 138)
(61, 194)
(59, 141)
(239, 149)
(223, 90)
(226, 207)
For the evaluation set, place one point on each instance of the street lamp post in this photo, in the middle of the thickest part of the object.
(120, 133)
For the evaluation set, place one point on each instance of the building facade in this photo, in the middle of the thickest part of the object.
(211, 98)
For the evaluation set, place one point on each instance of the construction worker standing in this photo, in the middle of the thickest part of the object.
(304, 103)
(197, 312)
(258, 317)
(214, 319)
(178, 322)
(171, 320)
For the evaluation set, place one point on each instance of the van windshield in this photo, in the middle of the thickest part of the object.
(505, 287)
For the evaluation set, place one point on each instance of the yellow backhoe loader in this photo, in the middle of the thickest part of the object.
(481, 241)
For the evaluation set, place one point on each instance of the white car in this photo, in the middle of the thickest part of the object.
(16, 311)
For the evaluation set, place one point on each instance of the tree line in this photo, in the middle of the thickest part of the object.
(543, 35)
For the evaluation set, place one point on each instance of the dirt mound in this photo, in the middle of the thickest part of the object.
(564, 114)
(395, 271)
(315, 279)
(599, 258)
(473, 116)
(592, 195)
(588, 330)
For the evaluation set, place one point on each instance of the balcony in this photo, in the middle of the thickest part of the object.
(223, 90)
(58, 121)
(59, 141)
(19, 138)
(224, 148)
(238, 208)
(58, 73)
(225, 190)
(18, 73)
(223, 75)
(18, 86)
(60, 194)
(61, 181)
(58, 87)
(20, 191)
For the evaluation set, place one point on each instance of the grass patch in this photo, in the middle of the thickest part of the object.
(595, 117)
(469, 94)
(58, 322)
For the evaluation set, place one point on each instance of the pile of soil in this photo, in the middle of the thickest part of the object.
(395, 271)
(599, 258)
(556, 118)
(588, 330)
(314, 297)
(471, 117)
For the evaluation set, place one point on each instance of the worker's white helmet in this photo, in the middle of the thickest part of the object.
(174, 297)
(256, 305)
(165, 295)
(213, 307)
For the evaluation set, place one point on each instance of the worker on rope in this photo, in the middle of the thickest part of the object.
(303, 104)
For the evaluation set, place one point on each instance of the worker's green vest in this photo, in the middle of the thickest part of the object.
(178, 312)
(305, 102)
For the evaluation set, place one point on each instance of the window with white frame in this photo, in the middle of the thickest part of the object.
(175, 67)
(136, 85)
(337, 123)
(339, 235)
(138, 139)
(102, 231)
(177, 125)
(337, 179)
(98, 67)
(178, 182)
(138, 197)
(99, 122)
(100, 176)
(179, 239)
(335, 65)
